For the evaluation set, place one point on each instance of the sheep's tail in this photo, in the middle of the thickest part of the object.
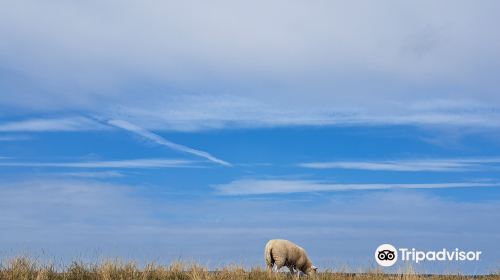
(268, 255)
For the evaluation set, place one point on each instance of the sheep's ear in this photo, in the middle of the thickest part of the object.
(314, 268)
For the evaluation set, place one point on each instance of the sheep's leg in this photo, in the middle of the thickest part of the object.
(279, 264)
(270, 267)
(292, 271)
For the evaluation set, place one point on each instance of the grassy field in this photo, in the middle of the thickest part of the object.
(26, 269)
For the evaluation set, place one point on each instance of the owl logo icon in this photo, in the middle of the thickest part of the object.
(386, 255)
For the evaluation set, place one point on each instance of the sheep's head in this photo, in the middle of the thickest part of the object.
(311, 270)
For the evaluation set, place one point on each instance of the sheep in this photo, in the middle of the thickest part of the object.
(282, 252)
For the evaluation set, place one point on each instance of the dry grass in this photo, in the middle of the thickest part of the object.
(26, 269)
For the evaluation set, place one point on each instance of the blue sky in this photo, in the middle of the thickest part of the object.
(161, 130)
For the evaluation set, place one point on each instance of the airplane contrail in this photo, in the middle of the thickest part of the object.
(162, 141)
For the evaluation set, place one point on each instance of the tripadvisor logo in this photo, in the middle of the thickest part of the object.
(387, 255)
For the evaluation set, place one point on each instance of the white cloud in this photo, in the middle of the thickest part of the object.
(172, 66)
(164, 142)
(192, 113)
(261, 187)
(85, 220)
(453, 165)
(64, 208)
(129, 163)
(100, 174)
(51, 124)
(14, 138)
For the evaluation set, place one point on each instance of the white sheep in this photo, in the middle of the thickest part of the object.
(282, 252)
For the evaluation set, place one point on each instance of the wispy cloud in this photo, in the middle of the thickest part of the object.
(99, 174)
(44, 205)
(164, 142)
(85, 216)
(195, 113)
(14, 138)
(51, 124)
(131, 163)
(454, 165)
(258, 187)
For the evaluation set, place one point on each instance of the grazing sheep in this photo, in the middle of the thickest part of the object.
(282, 252)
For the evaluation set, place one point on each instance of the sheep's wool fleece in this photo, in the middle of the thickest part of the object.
(286, 253)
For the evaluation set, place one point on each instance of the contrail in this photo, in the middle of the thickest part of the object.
(162, 141)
